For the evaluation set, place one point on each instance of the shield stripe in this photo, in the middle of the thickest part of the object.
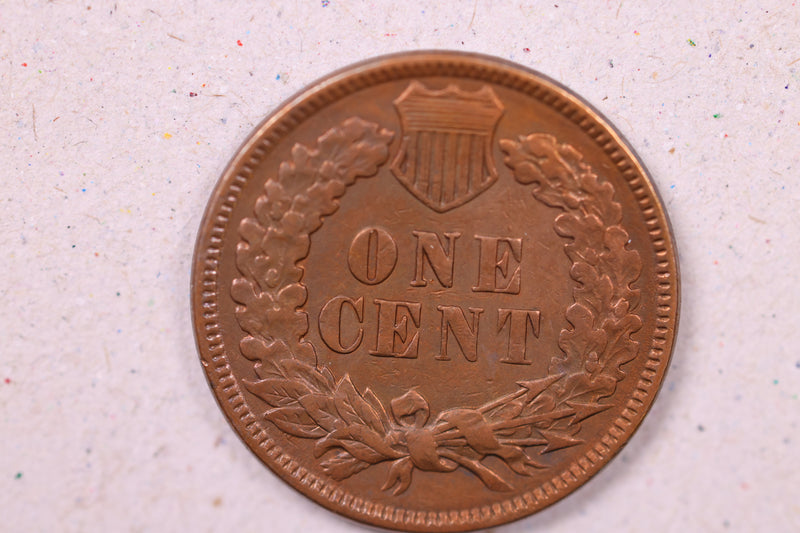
(437, 168)
(476, 162)
(450, 162)
(411, 158)
(463, 164)
(423, 161)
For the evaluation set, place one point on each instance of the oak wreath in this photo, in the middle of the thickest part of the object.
(354, 429)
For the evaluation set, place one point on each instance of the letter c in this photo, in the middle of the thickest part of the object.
(330, 323)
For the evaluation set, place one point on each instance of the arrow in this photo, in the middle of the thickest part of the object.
(557, 441)
(585, 410)
(537, 386)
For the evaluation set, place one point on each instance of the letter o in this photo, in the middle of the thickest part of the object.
(372, 256)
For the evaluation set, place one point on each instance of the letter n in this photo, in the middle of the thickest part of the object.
(454, 321)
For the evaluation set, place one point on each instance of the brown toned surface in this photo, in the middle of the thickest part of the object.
(435, 292)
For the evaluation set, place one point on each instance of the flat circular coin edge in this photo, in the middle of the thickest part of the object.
(275, 128)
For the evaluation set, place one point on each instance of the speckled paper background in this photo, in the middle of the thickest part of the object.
(117, 119)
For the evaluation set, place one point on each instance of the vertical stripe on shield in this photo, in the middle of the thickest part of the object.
(462, 165)
(450, 168)
(437, 168)
(422, 178)
(476, 161)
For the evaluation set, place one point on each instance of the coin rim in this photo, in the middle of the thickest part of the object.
(274, 129)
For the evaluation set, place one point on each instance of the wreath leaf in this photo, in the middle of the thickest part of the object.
(321, 408)
(295, 421)
(316, 381)
(377, 406)
(342, 466)
(353, 408)
(277, 392)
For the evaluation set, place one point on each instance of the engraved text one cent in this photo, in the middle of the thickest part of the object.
(435, 292)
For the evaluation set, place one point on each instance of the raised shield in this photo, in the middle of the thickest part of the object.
(445, 156)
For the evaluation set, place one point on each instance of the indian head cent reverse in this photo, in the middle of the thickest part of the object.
(435, 292)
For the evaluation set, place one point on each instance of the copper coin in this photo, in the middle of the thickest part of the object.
(435, 292)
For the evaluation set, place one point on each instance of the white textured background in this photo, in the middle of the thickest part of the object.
(116, 120)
